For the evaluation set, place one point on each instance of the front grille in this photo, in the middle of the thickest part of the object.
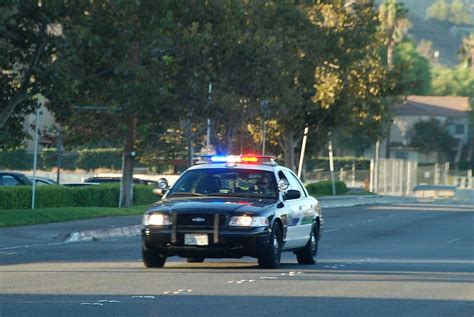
(186, 220)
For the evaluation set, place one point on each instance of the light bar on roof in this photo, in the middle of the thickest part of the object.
(240, 159)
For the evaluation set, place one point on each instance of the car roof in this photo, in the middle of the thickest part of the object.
(11, 173)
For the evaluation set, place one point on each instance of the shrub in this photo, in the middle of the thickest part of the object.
(49, 159)
(339, 162)
(91, 159)
(16, 160)
(325, 188)
(106, 195)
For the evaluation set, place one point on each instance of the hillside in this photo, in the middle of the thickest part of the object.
(443, 36)
(446, 37)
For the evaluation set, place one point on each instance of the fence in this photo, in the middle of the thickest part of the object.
(397, 177)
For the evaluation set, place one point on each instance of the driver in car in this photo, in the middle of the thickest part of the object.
(263, 186)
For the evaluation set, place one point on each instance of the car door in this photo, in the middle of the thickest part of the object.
(299, 213)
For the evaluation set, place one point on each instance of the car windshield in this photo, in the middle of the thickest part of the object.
(226, 182)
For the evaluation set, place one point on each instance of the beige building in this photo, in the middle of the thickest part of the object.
(450, 111)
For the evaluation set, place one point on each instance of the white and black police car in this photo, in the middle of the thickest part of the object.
(230, 207)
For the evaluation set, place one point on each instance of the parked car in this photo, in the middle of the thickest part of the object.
(13, 179)
(80, 184)
(42, 180)
(101, 179)
(230, 207)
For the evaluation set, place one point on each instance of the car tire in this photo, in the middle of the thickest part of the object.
(195, 260)
(308, 254)
(152, 257)
(270, 259)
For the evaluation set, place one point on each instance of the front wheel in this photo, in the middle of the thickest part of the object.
(308, 254)
(270, 258)
(152, 257)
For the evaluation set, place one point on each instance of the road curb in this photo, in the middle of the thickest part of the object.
(89, 235)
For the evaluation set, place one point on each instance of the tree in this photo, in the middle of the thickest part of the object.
(466, 51)
(411, 70)
(459, 12)
(453, 82)
(456, 12)
(327, 73)
(438, 11)
(393, 25)
(115, 66)
(431, 136)
(30, 30)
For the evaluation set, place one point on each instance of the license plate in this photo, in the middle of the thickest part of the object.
(195, 239)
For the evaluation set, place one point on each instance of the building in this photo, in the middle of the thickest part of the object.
(451, 111)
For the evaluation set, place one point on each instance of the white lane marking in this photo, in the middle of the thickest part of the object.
(454, 240)
(268, 277)
(31, 245)
(331, 230)
(178, 292)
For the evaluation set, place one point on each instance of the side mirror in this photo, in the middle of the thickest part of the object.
(292, 194)
(161, 187)
(163, 183)
(283, 184)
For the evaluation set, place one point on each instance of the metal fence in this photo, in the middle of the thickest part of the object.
(394, 177)
(397, 177)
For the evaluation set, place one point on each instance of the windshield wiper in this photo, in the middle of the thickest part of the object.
(185, 194)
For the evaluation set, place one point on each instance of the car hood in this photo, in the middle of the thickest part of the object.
(221, 205)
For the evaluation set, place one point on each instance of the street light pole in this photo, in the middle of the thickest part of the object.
(264, 106)
(331, 166)
(303, 149)
(38, 113)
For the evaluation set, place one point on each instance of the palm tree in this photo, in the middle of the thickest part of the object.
(466, 51)
(394, 25)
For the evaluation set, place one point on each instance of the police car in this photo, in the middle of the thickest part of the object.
(230, 207)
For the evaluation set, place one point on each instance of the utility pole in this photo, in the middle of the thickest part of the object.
(264, 107)
(129, 150)
(35, 156)
(303, 149)
(59, 150)
(331, 166)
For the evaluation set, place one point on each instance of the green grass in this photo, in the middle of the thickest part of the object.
(24, 217)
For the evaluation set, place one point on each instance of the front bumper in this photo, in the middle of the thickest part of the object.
(226, 243)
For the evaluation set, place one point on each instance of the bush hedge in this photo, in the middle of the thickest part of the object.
(49, 159)
(325, 188)
(106, 195)
(339, 162)
(91, 159)
(16, 160)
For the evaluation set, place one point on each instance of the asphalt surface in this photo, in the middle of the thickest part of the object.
(377, 260)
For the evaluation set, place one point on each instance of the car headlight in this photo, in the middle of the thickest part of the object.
(248, 221)
(156, 219)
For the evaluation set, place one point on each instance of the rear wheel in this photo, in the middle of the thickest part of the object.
(195, 260)
(152, 257)
(270, 259)
(308, 254)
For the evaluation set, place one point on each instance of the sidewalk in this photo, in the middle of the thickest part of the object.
(126, 226)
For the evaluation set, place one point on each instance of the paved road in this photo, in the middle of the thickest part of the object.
(395, 260)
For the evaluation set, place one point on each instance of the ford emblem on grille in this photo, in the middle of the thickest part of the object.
(199, 219)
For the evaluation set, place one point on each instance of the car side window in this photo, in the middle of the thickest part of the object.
(294, 183)
(10, 180)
